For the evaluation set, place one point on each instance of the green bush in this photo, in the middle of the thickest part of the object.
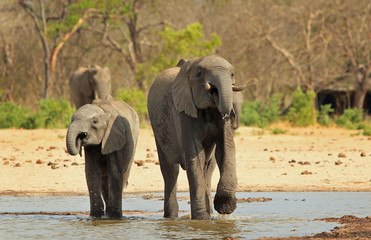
(324, 117)
(350, 118)
(278, 131)
(366, 127)
(258, 114)
(12, 115)
(136, 99)
(51, 113)
(302, 112)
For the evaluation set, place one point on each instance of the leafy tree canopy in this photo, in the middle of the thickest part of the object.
(185, 43)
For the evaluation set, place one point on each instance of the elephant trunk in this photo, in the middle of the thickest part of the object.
(74, 139)
(224, 96)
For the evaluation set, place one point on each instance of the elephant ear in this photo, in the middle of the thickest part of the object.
(181, 91)
(114, 136)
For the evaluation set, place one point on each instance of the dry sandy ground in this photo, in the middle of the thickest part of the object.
(35, 162)
(302, 159)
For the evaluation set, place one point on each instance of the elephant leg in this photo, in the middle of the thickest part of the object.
(209, 169)
(115, 185)
(93, 173)
(170, 172)
(105, 190)
(198, 190)
(225, 199)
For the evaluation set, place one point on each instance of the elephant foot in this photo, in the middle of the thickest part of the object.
(224, 204)
(200, 216)
(115, 214)
(170, 215)
(96, 214)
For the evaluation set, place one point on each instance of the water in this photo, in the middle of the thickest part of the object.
(288, 214)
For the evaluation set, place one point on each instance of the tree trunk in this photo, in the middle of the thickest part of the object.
(363, 85)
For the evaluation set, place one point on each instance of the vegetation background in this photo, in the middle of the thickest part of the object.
(286, 51)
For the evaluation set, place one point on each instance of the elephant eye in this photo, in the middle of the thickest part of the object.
(95, 120)
(198, 74)
(232, 75)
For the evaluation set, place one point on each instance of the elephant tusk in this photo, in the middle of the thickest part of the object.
(207, 86)
(238, 88)
(225, 117)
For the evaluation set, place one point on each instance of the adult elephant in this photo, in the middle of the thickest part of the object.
(108, 130)
(88, 83)
(189, 107)
(237, 106)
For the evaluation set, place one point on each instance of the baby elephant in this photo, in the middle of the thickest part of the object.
(108, 130)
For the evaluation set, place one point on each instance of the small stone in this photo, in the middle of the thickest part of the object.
(306, 172)
(338, 162)
(39, 162)
(150, 155)
(17, 165)
(342, 155)
(139, 163)
(6, 162)
(363, 154)
(292, 161)
(74, 164)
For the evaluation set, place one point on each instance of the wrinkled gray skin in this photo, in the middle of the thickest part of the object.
(89, 83)
(237, 106)
(108, 130)
(189, 107)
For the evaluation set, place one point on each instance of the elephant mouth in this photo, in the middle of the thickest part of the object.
(213, 92)
(80, 141)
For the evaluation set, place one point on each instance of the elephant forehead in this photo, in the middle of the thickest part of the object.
(215, 62)
(88, 110)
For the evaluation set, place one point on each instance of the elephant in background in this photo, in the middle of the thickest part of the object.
(237, 106)
(88, 83)
(189, 107)
(108, 130)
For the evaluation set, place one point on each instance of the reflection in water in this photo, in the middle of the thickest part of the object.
(175, 229)
(288, 214)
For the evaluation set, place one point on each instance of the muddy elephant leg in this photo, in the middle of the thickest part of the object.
(170, 172)
(93, 173)
(209, 169)
(115, 185)
(225, 199)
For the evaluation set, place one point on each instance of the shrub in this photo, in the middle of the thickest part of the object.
(51, 113)
(324, 115)
(302, 112)
(366, 127)
(136, 99)
(258, 114)
(278, 131)
(350, 118)
(12, 115)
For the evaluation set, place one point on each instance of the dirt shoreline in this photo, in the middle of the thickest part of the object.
(304, 159)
